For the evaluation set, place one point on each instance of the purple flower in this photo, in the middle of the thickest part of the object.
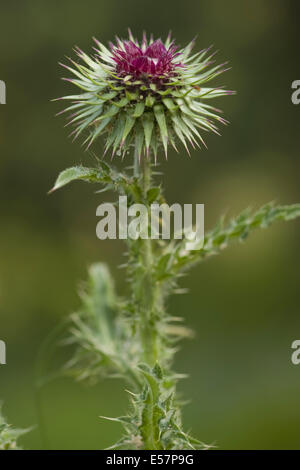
(153, 60)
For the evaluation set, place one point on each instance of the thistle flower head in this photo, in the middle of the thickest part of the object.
(144, 95)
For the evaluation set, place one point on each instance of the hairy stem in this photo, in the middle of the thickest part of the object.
(147, 292)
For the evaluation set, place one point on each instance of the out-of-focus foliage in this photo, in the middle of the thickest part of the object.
(9, 435)
(101, 338)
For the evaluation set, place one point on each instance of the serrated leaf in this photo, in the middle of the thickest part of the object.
(73, 174)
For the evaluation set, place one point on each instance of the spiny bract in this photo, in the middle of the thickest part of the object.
(144, 94)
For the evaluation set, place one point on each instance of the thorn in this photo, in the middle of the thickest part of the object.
(60, 112)
(130, 35)
(90, 143)
(109, 419)
(192, 143)
(131, 393)
(96, 41)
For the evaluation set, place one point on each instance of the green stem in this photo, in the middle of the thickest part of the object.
(147, 302)
(147, 293)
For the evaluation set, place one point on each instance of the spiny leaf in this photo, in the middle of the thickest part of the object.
(170, 104)
(128, 126)
(116, 134)
(139, 139)
(103, 174)
(98, 130)
(75, 173)
(148, 125)
(237, 229)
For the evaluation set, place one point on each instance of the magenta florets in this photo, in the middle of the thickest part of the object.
(152, 60)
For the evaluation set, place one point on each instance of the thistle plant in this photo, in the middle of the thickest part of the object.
(141, 97)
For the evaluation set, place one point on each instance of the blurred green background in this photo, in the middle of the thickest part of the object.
(243, 304)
